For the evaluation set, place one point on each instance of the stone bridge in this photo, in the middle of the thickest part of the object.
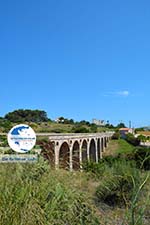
(70, 151)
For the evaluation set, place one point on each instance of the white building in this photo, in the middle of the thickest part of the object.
(98, 122)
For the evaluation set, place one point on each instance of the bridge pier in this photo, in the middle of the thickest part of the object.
(56, 150)
(71, 165)
(88, 150)
(80, 156)
(96, 150)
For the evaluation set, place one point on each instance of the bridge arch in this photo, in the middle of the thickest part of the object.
(75, 156)
(64, 154)
(105, 142)
(92, 150)
(84, 150)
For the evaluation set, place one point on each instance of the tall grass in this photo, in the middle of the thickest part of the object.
(34, 194)
(122, 185)
(116, 186)
(135, 214)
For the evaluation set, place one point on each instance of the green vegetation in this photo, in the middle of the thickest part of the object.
(132, 140)
(40, 122)
(26, 115)
(116, 135)
(143, 138)
(123, 188)
(114, 191)
(36, 194)
(117, 147)
(53, 127)
(3, 141)
(5, 125)
(80, 129)
(124, 147)
(117, 189)
(141, 156)
(121, 125)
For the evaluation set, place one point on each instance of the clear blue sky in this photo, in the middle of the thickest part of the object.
(80, 59)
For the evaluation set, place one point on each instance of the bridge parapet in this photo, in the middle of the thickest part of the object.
(78, 135)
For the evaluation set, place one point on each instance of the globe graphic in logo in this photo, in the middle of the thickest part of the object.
(21, 138)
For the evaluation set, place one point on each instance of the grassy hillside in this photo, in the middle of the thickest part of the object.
(118, 146)
(64, 128)
(53, 127)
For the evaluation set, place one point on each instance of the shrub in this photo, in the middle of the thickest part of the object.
(132, 140)
(93, 128)
(141, 156)
(117, 185)
(80, 129)
(3, 141)
(116, 135)
(95, 169)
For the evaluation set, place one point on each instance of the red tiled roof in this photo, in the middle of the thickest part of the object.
(124, 129)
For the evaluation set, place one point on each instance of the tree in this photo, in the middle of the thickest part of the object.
(93, 128)
(121, 125)
(84, 122)
(68, 121)
(65, 120)
(27, 115)
(5, 125)
(110, 126)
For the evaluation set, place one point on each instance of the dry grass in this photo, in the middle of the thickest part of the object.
(112, 148)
